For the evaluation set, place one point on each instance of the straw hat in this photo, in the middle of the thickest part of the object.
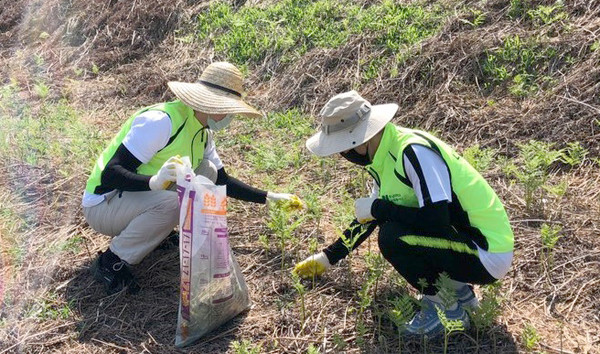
(348, 120)
(218, 91)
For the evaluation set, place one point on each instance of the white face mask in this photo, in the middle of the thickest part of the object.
(221, 124)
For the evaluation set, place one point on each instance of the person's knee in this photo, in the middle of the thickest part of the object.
(169, 205)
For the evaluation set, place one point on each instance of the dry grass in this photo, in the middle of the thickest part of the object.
(437, 90)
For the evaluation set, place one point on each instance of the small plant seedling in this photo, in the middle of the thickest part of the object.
(549, 236)
(530, 337)
(574, 154)
(297, 283)
(401, 312)
(245, 347)
(484, 316)
(532, 171)
(283, 222)
(450, 326)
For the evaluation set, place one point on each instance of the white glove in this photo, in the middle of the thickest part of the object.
(278, 197)
(312, 266)
(166, 175)
(292, 201)
(362, 209)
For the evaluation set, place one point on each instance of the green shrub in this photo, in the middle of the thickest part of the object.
(286, 29)
(521, 65)
(531, 169)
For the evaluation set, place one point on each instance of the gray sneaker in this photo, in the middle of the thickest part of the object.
(427, 323)
(466, 297)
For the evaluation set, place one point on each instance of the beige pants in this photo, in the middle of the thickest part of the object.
(139, 221)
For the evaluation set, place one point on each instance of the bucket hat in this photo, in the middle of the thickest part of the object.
(218, 91)
(347, 121)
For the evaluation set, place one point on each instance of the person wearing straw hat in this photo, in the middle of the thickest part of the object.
(130, 194)
(436, 214)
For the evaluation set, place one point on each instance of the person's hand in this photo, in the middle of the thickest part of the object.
(362, 209)
(166, 175)
(312, 266)
(286, 200)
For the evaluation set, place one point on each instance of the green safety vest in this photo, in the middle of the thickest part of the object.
(188, 138)
(474, 201)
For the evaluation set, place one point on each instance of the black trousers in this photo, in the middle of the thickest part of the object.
(416, 256)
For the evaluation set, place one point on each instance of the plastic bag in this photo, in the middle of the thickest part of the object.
(212, 287)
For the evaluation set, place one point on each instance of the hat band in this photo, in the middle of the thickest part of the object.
(347, 122)
(219, 87)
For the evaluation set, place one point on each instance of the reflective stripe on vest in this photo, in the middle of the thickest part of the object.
(188, 138)
(477, 199)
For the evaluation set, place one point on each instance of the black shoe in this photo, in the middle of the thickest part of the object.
(113, 273)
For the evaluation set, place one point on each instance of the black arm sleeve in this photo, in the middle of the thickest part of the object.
(240, 190)
(338, 250)
(431, 219)
(120, 174)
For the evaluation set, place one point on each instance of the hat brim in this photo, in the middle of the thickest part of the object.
(322, 144)
(211, 100)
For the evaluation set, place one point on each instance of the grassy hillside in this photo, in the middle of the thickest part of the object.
(512, 84)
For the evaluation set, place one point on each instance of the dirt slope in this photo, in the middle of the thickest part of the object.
(110, 57)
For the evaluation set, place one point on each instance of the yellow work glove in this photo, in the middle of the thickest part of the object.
(166, 175)
(288, 201)
(312, 266)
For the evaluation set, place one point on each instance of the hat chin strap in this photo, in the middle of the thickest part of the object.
(347, 122)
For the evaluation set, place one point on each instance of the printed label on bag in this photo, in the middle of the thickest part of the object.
(186, 257)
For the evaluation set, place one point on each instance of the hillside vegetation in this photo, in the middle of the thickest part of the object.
(514, 85)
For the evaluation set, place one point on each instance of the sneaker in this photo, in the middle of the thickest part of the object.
(427, 323)
(466, 297)
(113, 274)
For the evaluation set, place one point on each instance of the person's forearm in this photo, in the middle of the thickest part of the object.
(339, 250)
(433, 218)
(240, 190)
(119, 173)
(118, 177)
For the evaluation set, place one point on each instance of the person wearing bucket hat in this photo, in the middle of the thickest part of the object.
(436, 214)
(129, 193)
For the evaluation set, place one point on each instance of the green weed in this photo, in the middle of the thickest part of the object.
(297, 283)
(448, 295)
(245, 347)
(546, 15)
(283, 222)
(484, 316)
(520, 65)
(477, 18)
(445, 290)
(532, 169)
(401, 312)
(518, 8)
(50, 307)
(550, 234)
(574, 154)
(285, 30)
(41, 89)
(480, 159)
(450, 326)
(53, 137)
(312, 349)
(530, 337)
